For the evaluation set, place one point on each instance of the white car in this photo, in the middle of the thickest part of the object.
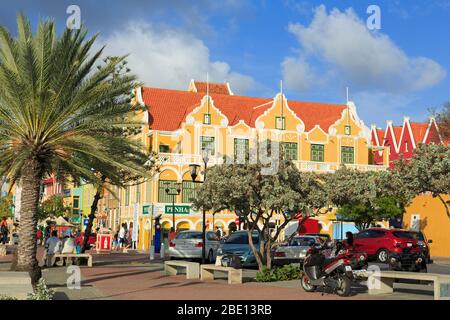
(295, 250)
(189, 244)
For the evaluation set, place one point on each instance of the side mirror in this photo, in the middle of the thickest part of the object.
(430, 241)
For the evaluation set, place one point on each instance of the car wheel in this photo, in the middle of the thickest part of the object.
(382, 256)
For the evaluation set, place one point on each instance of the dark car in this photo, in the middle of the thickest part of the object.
(379, 243)
(237, 245)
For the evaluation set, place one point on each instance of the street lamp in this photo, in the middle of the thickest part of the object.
(171, 191)
(194, 169)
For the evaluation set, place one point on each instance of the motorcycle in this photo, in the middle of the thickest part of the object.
(334, 269)
(412, 258)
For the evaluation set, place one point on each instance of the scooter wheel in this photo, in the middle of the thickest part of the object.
(344, 286)
(306, 284)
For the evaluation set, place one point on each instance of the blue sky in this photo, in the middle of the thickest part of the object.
(316, 47)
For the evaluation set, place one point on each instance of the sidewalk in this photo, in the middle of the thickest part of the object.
(444, 261)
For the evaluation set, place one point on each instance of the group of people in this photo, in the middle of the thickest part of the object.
(123, 238)
(4, 231)
(55, 245)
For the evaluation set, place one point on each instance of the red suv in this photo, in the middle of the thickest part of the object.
(379, 242)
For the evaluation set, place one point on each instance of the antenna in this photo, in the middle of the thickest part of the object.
(346, 88)
(348, 109)
(207, 91)
(281, 90)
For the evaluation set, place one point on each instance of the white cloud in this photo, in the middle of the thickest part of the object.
(169, 58)
(364, 59)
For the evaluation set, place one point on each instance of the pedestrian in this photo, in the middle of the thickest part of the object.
(172, 234)
(130, 236)
(53, 246)
(349, 237)
(122, 233)
(115, 243)
(4, 231)
(219, 233)
(39, 236)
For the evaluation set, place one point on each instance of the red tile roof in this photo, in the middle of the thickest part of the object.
(397, 133)
(169, 108)
(418, 130)
(380, 135)
(217, 88)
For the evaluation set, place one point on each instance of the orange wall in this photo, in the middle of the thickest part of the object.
(434, 222)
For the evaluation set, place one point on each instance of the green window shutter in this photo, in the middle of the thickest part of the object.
(290, 150)
(208, 142)
(189, 191)
(241, 147)
(347, 155)
(163, 197)
(163, 148)
(317, 152)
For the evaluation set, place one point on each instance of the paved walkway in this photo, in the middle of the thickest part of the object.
(132, 276)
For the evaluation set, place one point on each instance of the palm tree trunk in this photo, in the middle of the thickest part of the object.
(94, 206)
(31, 173)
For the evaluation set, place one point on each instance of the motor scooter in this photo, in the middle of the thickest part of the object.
(333, 269)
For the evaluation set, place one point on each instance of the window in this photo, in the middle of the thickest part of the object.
(188, 191)
(241, 151)
(406, 146)
(348, 130)
(347, 155)
(206, 118)
(290, 150)
(208, 143)
(280, 123)
(241, 238)
(76, 202)
(164, 148)
(317, 152)
(163, 197)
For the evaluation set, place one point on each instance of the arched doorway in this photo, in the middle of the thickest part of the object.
(183, 225)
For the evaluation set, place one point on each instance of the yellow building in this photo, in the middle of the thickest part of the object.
(428, 214)
(315, 136)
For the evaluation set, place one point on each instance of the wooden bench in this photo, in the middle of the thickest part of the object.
(441, 282)
(64, 256)
(234, 275)
(192, 268)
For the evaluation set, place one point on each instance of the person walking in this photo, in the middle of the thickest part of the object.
(219, 233)
(130, 236)
(4, 231)
(122, 233)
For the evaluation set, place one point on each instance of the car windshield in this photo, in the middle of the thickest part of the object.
(241, 238)
(418, 236)
(403, 235)
(189, 235)
(303, 242)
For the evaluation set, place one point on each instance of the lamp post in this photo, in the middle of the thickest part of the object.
(194, 169)
(172, 193)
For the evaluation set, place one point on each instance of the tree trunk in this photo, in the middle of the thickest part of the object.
(255, 252)
(268, 254)
(445, 205)
(88, 231)
(32, 174)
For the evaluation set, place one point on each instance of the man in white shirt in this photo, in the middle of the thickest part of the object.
(122, 236)
(52, 246)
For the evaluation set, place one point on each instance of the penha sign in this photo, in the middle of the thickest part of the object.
(178, 209)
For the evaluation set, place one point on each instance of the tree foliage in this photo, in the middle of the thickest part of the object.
(443, 121)
(260, 199)
(52, 207)
(6, 203)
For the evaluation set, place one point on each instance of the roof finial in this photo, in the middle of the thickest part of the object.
(346, 89)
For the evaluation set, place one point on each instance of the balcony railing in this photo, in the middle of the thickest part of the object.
(186, 159)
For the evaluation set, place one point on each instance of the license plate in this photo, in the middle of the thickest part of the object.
(409, 244)
(348, 268)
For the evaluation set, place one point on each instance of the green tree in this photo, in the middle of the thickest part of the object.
(429, 171)
(58, 113)
(6, 203)
(52, 207)
(443, 121)
(366, 197)
(260, 199)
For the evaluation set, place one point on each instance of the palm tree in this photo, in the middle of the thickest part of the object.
(60, 111)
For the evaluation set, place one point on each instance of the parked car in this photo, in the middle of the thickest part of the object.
(295, 250)
(422, 242)
(237, 245)
(379, 243)
(325, 237)
(188, 245)
(79, 238)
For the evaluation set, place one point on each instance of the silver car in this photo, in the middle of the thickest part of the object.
(189, 244)
(295, 250)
